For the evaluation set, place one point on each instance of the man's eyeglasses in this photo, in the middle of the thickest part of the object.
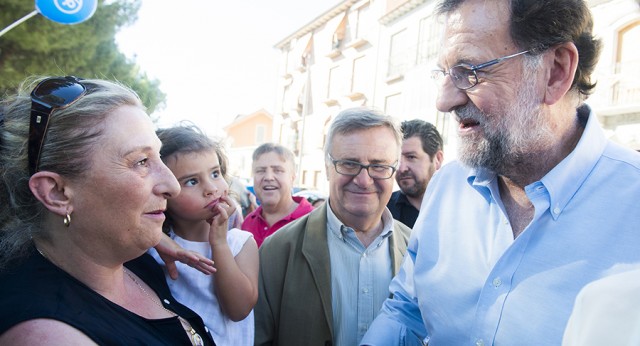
(353, 168)
(49, 95)
(465, 76)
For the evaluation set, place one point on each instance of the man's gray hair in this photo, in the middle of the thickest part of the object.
(358, 119)
(285, 153)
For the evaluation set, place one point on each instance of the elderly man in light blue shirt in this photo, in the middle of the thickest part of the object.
(540, 204)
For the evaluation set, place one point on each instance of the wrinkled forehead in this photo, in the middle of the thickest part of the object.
(476, 25)
(478, 17)
(373, 144)
(272, 158)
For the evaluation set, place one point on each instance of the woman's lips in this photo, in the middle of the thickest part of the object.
(157, 214)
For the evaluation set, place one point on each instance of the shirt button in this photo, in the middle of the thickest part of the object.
(166, 301)
(479, 342)
(266, 228)
(556, 210)
(497, 282)
(365, 290)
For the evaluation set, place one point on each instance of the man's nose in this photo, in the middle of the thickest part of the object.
(268, 174)
(450, 97)
(402, 166)
(363, 178)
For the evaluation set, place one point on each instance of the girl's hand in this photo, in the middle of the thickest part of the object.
(219, 222)
(170, 252)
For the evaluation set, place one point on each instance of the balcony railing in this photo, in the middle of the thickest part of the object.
(618, 89)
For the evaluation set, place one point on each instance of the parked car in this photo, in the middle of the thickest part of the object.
(315, 197)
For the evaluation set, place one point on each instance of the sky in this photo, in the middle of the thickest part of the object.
(214, 59)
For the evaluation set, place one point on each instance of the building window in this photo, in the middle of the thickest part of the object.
(626, 89)
(361, 75)
(393, 105)
(335, 85)
(307, 54)
(285, 97)
(399, 54)
(316, 178)
(325, 130)
(339, 35)
(260, 134)
(283, 132)
(362, 24)
(442, 123)
(429, 40)
(287, 59)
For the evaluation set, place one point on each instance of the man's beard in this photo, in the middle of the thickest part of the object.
(414, 190)
(510, 136)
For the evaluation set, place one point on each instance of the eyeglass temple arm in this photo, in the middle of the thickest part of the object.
(37, 129)
(499, 60)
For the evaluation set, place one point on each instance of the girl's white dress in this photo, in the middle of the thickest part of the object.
(196, 290)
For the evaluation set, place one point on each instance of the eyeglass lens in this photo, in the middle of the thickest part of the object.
(463, 77)
(58, 92)
(354, 168)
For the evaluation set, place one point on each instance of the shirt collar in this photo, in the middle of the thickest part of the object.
(335, 226)
(296, 213)
(564, 179)
(402, 199)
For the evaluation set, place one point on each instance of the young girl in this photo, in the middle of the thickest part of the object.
(197, 220)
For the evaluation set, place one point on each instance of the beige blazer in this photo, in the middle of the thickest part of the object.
(294, 301)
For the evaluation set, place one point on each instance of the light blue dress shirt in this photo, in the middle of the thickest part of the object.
(360, 278)
(466, 281)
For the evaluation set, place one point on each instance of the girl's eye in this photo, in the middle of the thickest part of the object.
(190, 182)
(215, 174)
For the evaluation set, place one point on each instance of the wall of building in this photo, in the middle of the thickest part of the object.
(384, 60)
(251, 132)
(617, 96)
(244, 135)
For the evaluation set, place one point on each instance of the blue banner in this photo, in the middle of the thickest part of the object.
(67, 11)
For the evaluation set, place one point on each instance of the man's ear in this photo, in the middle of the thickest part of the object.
(437, 159)
(563, 65)
(50, 189)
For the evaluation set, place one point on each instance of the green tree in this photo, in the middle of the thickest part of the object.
(42, 47)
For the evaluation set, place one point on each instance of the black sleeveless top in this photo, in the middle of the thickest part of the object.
(35, 288)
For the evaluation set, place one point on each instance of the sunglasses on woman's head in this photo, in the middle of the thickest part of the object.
(49, 95)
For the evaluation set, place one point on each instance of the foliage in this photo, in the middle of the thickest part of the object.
(89, 50)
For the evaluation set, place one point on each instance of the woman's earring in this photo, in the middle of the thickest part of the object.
(67, 220)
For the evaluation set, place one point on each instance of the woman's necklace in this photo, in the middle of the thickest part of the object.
(196, 339)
